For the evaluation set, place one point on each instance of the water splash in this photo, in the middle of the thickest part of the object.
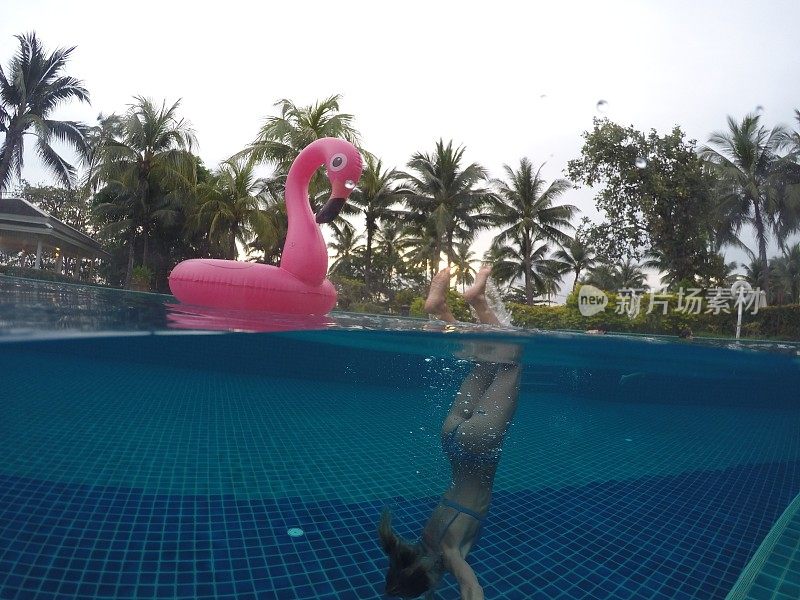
(496, 303)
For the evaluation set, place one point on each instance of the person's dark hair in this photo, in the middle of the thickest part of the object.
(602, 327)
(685, 333)
(412, 572)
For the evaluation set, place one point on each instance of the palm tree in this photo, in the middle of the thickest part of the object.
(745, 159)
(463, 258)
(376, 194)
(525, 212)
(392, 242)
(754, 271)
(29, 92)
(420, 245)
(230, 207)
(788, 213)
(107, 128)
(614, 277)
(786, 273)
(513, 261)
(282, 137)
(267, 245)
(446, 198)
(575, 257)
(346, 245)
(146, 169)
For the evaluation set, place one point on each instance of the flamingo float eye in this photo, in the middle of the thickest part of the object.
(338, 162)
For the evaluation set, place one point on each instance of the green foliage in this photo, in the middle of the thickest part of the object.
(350, 291)
(65, 204)
(779, 322)
(230, 208)
(142, 274)
(655, 192)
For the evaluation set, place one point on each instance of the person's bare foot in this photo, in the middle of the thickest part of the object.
(476, 297)
(436, 302)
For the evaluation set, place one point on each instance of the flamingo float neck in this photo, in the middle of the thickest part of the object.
(305, 254)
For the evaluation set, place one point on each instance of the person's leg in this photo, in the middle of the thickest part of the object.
(436, 302)
(490, 378)
(472, 390)
(488, 425)
(476, 296)
(481, 376)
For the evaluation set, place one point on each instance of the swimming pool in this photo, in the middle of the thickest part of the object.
(141, 460)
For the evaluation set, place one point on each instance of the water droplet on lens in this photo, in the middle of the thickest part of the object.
(349, 184)
(641, 163)
(759, 108)
(602, 105)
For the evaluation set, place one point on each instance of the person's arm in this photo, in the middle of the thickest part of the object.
(467, 581)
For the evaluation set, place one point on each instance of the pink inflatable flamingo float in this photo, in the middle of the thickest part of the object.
(298, 286)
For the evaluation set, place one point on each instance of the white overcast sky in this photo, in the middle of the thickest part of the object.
(414, 71)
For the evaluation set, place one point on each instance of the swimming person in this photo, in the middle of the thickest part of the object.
(472, 438)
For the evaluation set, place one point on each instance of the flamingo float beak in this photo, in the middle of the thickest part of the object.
(330, 211)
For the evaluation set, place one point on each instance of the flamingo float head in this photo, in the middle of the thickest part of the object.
(343, 167)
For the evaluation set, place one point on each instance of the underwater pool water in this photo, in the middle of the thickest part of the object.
(142, 458)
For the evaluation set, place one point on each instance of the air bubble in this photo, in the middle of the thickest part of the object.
(295, 532)
(641, 163)
(602, 105)
(350, 184)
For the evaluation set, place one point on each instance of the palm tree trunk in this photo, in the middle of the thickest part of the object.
(577, 275)
(762, 244)
(232, 247)
(12, 141)
(526, 265)
(368, 257)
(449, 249)
(145, 232)
(129, 269)
(526, 270)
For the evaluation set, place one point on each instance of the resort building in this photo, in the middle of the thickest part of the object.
(26, 228)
